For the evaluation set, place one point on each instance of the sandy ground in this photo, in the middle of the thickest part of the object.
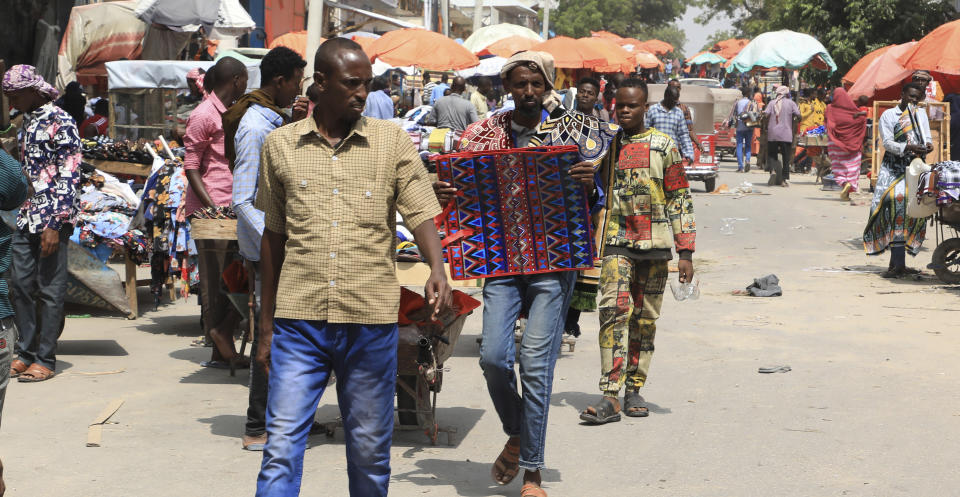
(868, 409)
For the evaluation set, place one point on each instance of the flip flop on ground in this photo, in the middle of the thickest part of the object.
(36, 373)
(606, 410)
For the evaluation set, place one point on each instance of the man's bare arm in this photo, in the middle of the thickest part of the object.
(272, 247)
(437, 288)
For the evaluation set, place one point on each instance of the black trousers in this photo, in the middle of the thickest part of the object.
(257, 401)
(39, 287)
(779, 167)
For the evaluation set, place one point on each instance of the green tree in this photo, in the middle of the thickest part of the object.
(670, 33)
(630, 18)
(848, 29)
(722, 35)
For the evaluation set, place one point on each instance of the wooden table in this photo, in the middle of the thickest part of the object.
(130, 268)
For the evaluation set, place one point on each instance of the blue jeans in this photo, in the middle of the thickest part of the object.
(744, 144)
(545, 298)
(303, 353)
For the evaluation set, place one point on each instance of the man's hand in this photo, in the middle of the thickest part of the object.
(437, 292)
(687, 161)
(583, 172)
(300, 107)
(264, 341)
(929, 147)
(49, 242)
(444, 191)
(685, 269)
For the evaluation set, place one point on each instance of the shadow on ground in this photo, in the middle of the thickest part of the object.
(581, 400)
(181, 326)
(90, 347)
(470, 478)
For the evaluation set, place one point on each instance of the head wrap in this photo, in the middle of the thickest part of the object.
(922, 74)
(197, 78)
(541, 62)
(845, 127)
(22, 76)
(782, 93)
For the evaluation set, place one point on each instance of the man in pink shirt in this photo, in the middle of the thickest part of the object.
(211, 185)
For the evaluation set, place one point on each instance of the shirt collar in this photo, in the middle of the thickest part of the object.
(217, 104)
(309, 126)
(267, 113)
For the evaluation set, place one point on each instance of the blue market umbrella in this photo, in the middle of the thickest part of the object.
(787, 49)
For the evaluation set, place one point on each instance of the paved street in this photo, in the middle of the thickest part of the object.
(869, 408)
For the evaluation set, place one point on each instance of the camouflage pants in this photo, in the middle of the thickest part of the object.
(631, 293)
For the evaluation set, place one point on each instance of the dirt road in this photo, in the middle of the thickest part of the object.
(868, 409)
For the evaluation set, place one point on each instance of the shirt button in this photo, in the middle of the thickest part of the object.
(335, 224)
(334, 158)
(336, 191)
(303, 184)
(333, 255)
(367, 194)
(333, 283)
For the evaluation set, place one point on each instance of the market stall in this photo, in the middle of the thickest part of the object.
(143, 95)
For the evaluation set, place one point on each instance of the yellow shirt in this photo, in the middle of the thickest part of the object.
(337, 206)
(812, 114)
(480, 102)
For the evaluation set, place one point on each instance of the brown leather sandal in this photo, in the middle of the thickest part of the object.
(532, 490)
(36, 373)
(507, 465)
(17, 367)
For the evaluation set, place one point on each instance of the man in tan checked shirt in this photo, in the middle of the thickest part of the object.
(330, 187)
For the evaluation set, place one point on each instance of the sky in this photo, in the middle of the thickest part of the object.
(698, 34)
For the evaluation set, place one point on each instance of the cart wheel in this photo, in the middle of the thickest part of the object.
(406, 403)
(946, 261)
(710, 184)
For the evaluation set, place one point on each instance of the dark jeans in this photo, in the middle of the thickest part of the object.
(39, 287)
(257, 403)
(779, 168)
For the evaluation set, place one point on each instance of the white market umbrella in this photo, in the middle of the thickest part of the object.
(488, 35)
(490, 66)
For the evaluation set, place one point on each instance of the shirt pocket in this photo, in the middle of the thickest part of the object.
(372, 207)
(303, 196)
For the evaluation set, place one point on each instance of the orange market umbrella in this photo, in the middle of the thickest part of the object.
(617, 58)
(364, 42)
(884, 76)
(294, 40)
(936, 52)
(571, 54)
(647, 60)
(854, 73)
(606, 34)
(729, 49)
(508, 46)
(656, 47)
(421, 48)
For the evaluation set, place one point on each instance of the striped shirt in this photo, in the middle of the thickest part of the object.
(254, 127)
(13, 191)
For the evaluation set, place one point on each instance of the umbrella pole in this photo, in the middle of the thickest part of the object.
(316, 18)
